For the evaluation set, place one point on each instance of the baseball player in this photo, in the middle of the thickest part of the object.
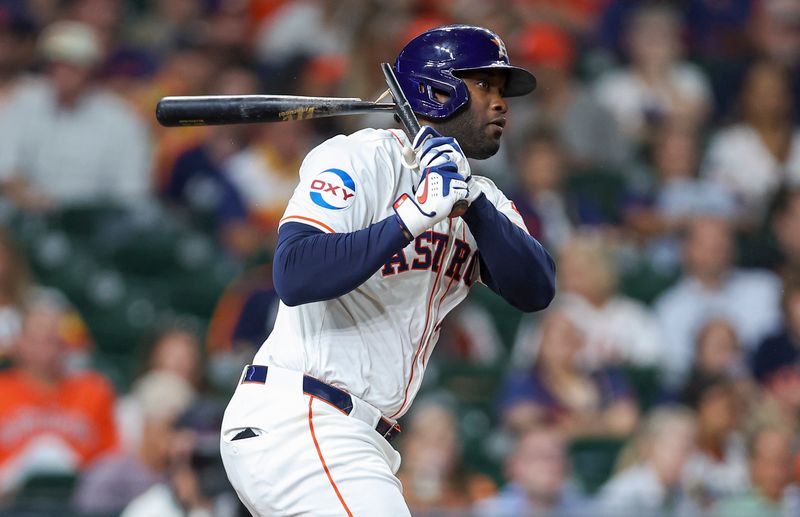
(368, 263)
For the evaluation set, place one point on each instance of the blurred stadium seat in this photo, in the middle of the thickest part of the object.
(593, 460)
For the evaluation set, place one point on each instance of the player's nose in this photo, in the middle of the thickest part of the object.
(498, 104)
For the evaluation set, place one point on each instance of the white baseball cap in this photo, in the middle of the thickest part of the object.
(70, 42)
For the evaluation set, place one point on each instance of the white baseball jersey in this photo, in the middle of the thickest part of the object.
(374, 341)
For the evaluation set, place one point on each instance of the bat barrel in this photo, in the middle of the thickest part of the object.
(244, 109)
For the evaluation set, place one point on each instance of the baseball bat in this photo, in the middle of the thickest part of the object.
(212, 110)
(403, 110)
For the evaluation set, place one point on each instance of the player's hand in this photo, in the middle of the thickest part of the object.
(433, 149)
(441, 187)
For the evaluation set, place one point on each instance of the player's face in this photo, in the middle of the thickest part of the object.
(479, 127)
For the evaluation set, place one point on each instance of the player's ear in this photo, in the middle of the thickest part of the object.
(441, 96)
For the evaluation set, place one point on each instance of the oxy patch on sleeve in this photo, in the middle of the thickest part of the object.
(333, 189)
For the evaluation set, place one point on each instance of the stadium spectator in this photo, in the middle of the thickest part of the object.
(547, 211)
(244, 315)
(176, 350)
(537, 473)
(717, 312)
(712, 286)
(198, 182)
(66, 141)
(774, 32)
(785, 226)
(159, 25)
(265, 173)
(658, 85)
(434, 479)
(284, 36)
(619, 330)
(774, 493)
(51, 419)
(718, 30)
(649, 480)
(658, 214)
(782, 349)
(17, 49)
(718, 351)
(718, 468)
(188, 69)
(115, 480)
(196, 484)
(558, 390)
(755, 156)
(589, 133)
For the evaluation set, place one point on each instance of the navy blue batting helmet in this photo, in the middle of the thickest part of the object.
(431, 62)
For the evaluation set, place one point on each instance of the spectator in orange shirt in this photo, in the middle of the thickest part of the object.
(51, 418)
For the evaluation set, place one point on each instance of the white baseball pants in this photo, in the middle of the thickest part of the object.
(308, 458)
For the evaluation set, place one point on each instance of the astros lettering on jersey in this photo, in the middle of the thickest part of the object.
(376, 340)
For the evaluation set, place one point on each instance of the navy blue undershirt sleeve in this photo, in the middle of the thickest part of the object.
(310, 265)
(513, 264)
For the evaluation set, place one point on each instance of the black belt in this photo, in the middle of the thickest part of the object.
(335, 396)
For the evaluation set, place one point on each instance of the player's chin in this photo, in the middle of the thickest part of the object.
(489, 145)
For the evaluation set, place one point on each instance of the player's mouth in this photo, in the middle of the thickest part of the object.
(498, 124)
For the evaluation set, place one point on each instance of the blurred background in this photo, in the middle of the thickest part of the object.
(658, 161)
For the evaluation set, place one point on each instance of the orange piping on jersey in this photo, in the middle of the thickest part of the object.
(397, 137)
(439, 308)
(424, 328)
(322, 460)
(303, 218)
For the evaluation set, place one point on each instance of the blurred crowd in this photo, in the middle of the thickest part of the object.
(658, 161)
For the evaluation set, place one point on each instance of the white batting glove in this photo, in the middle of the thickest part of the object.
(441, 187)
(434, 149)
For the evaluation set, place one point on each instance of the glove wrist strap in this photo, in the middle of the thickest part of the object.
(412, 220)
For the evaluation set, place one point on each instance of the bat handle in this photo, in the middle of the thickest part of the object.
(410, 122)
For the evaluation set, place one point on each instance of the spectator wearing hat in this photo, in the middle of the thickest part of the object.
(67, 141)
(588, 132)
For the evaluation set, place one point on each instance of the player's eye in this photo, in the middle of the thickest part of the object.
(483, 84)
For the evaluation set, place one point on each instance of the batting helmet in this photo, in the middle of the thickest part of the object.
(431, 62)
